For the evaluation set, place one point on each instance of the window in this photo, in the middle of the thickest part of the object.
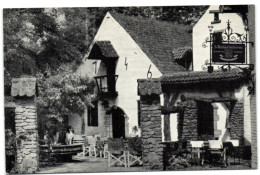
(205, 119)
(93, 115)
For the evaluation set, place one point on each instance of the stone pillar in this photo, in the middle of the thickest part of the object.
(188, 121)
(23, 91)
(151, 132)
(151, 123)
(26, 126)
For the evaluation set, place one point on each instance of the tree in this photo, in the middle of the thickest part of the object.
(66, 93)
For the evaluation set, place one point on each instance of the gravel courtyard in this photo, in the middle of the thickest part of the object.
(86, 165)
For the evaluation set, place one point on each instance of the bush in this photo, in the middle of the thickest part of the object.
(10, 149)
(11, 143)
(179, 162)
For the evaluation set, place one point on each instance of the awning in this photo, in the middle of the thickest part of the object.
(101, 50)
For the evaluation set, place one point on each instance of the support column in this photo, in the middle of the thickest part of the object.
(151, 124)
(151, 132)
(27, 158)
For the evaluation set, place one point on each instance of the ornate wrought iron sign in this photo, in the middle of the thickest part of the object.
(228, 53)
(227, 48)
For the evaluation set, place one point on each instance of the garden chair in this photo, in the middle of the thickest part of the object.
(197, 149)
(105, 152)
(134, 152)
(116, 152)
(90, 146)
(99, 148)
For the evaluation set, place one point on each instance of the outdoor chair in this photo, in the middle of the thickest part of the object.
(197, 149)
(232, 150)
(90, 146)
(116, 152)
(105, 151)
(99, 148)
(134, 152)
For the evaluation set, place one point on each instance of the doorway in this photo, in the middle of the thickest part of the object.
(118, 123)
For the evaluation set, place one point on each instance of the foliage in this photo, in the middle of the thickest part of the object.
(61, 95)
(178, 162)
(11, 143)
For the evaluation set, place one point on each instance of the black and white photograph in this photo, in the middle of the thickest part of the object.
(129, 89)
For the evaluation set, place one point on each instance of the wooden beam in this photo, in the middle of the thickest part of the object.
(169, 109)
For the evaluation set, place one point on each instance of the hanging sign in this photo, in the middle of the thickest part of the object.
(228, 53)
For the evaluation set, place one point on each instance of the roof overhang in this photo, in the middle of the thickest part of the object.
(103, 50)
(193, 77)
(24, 87)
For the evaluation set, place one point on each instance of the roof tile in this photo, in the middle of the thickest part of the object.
(23, 87)
(157, 39)
(149, 86)
(201, 76)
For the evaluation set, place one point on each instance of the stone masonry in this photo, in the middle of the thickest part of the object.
(152, 146)
(237, 123)
(26, 125)
(188, 121)
(24, 93)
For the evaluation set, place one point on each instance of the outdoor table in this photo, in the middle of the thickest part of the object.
(216, 148)
(197, 147)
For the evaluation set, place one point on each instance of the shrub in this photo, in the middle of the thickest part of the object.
(178, 162)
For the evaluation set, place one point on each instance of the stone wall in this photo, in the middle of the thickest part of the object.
(188, 121)
(27, 160)
(152, 146)
(237, 124)
(237, 121)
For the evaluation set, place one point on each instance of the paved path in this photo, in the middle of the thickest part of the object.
(86, 165)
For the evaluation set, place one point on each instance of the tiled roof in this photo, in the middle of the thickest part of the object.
(105, 48)
(23, 87)
(180, 52)
(149, 86)
(157, 39)
(201, 76)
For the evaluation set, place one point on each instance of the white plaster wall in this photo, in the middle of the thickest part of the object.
(174, 127)
(138, 64)
(75, 121)
(201, 32)
(162, 126)
(223, 113)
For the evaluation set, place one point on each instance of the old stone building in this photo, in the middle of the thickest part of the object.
(124, 49)
(216, 103)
